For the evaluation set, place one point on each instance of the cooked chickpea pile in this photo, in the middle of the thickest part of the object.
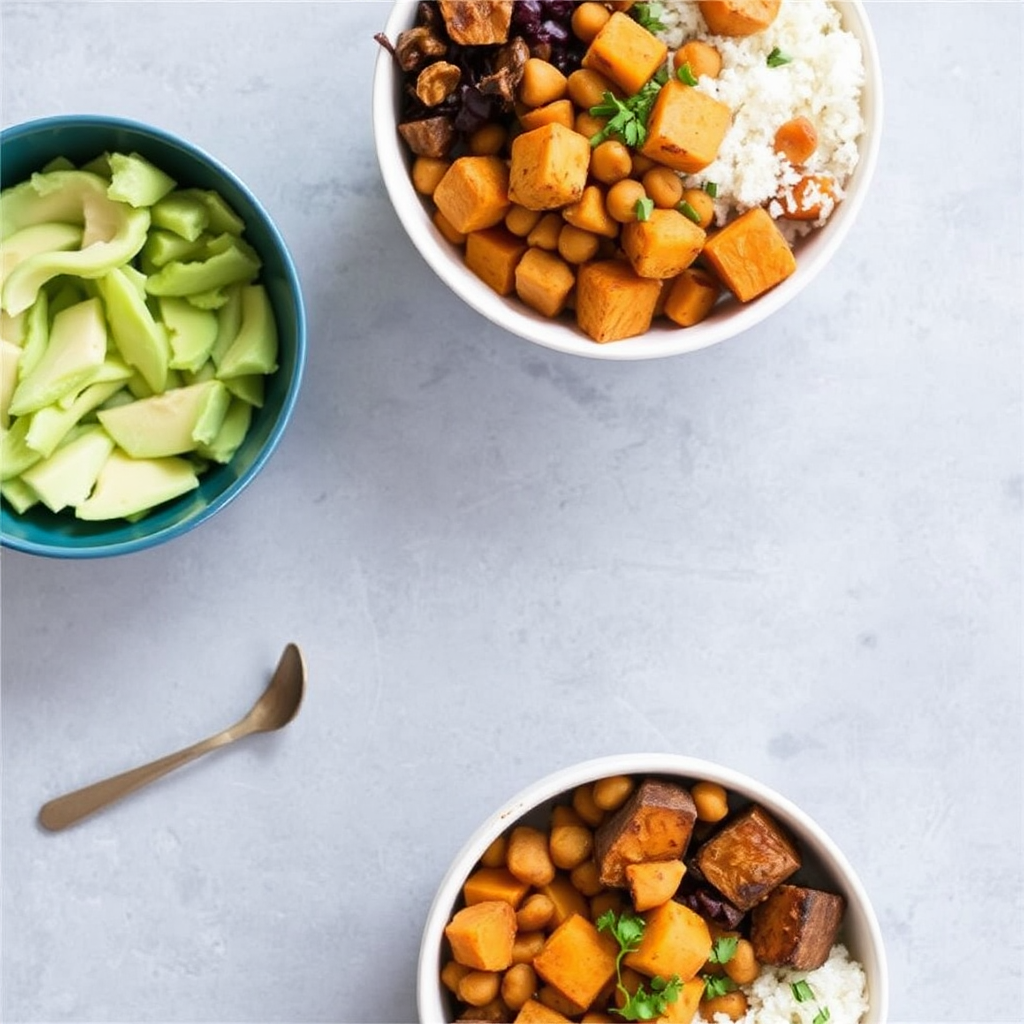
(554, 207)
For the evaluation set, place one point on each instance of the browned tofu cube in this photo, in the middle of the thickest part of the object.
(738, 17)
(544, 281)
(493, 254)
(796, 927)
(612, 302)
(662, 246)
(655, 823)
(750, 254)
(549, 167)
(691, 297)
(686, 128)
(625, 52)
(578, 960)
(748, 858)
(477, 22)
(473, 194)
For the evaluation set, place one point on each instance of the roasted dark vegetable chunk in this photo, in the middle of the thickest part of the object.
(748, 858)
(477, 22)
(655, 823)
(796, 927)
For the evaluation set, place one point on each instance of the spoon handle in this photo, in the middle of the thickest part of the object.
(73, 807)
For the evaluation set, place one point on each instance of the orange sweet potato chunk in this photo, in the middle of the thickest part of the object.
(568, 900)
(738, 17)
(691, 297)
(653, 882)
(675, 941)
(548, 167)
(486, 884)
(492, 254)
(750, 255)
(589, 213)
(481, 936)
(612, 302)
(535, 1012)
(544, 281)
(684, 1009)
(662, 246)
(558, 112)
(686, 128)
(577, 960)
(625, 52)
(473, 194)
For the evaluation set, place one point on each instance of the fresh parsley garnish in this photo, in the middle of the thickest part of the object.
(717, 985)
(644, 208)
(777, 58)
(803, 993)
(685, 74)
(688, 211)
(627, 931)
(627, 119)
(723, 949)
(648, 15)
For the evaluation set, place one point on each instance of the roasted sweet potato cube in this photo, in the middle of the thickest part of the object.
(568, 900)
(691, 296)
(473, 194)
(675, 941)
(655, 823)
(481, 936)
(684, 1009)
(686, 128)
(548, 167)
(578, 960)
(653, 882)
(750, 254)
(444, 225)
(544, 281)
(748, 858)
(625, 52)
(557, 112)
(494, 884)
(477, 22)
(589, 213)
(738, 17)
(613, 303)
(535, 1012)
(493, 254)
(796, 927)
(662, 246)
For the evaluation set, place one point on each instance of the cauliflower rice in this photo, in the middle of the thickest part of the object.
(822, 82)
(839, 986)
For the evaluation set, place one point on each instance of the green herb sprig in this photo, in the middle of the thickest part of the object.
(717, 985)
(777, 58)
(649, 15)
(803, 993)
(628, 930)
(627, 119)
(723, 949)
(643, 208)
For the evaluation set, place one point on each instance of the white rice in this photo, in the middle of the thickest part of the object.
(822, 82)
(839, 986)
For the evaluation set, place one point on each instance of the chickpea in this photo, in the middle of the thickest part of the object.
(427, 171)
(494, 855)
(535, 913)
(622, 198)
(611, 793)
(521, 221)
(732, 1004)
(743, 967)
(542, 83)
(711, 801)
(489, 140)
(526, 946)
(583, 804)
(702, 57)
(641, 165)
(546, 231)
(479, 987)
(518, 985)
(704, 206)
(586, 878)
(588, 19)
(664, 186)
(796, 140)
(587, 87)
(527, 856)
(571, 845)
(610, 162)
(588, 125)
(577, 246)
(452, 973)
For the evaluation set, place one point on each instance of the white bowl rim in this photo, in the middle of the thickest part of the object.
(428, 996)
(817, 249)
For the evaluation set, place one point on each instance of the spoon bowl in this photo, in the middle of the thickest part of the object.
(276, 707)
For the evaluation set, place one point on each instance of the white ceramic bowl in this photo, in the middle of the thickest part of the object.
(664, 339)
(824, 865)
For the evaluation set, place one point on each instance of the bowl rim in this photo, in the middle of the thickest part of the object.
(428, 1001)
(565, 337)
(98, 549)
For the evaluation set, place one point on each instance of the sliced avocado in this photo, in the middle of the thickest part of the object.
(140, 339)
(36, 239)
(231, 434)
(50, 425)
(185, 216)
(254, 349)
(238, 262)
(134, 180)
(68, 475)
(127, 486)
(10, 356)
(18, 494)
(15, 455)
(192, 332)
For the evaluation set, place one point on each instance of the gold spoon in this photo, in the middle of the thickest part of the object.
(276, 708)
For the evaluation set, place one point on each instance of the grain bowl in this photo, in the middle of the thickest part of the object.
(68, 162)
(596, 846)
(566, 292)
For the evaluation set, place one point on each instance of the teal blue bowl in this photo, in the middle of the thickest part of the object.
(26, 148)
